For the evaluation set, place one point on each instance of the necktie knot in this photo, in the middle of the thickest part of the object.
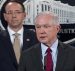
(48, 50)
(16, 35)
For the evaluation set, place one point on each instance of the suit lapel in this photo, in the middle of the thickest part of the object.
(38, 58)
(61, 57)
(26, 40)
(10, 48)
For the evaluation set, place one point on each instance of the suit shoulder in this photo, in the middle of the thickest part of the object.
(66, 46)
(31, 34)
(32, 49)
(3, 33)
(29, 31)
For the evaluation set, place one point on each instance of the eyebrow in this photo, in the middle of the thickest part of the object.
(15, 10)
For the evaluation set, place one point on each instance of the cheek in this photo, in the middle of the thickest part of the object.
(37, 33)
(8, 19)
(22, 16)
(51, 33)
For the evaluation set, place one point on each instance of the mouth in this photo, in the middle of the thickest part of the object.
(42, 37)
(14, 21)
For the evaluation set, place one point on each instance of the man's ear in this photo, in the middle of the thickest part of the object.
(24, 15)
(5, 16)
(59, 27)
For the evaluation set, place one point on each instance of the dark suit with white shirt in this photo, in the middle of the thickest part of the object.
(31, 59)
(8, 60)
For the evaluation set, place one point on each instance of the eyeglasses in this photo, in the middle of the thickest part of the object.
(17, 13)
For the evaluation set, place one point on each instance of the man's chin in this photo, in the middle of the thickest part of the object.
(44, 42)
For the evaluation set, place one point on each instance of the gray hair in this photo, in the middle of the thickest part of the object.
(54, 17)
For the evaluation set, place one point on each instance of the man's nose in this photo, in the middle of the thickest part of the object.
(13, 15)
(41, 30)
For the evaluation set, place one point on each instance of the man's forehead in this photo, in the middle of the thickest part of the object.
(12, 4)
(46, 16)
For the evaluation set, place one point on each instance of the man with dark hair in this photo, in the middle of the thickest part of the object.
(15, 38)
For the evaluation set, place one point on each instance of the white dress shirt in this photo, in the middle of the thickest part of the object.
(11, 34)
(54, 53)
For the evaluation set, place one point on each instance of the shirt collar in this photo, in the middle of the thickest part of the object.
(53, 47)
(11, 32)
(43, 48)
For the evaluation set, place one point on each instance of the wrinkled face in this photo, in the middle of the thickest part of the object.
(45, 29)
(14, 15)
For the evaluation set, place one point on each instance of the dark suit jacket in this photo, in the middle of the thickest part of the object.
(7, 57)
(31, 59)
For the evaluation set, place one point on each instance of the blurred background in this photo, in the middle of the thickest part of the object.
(65, 9)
